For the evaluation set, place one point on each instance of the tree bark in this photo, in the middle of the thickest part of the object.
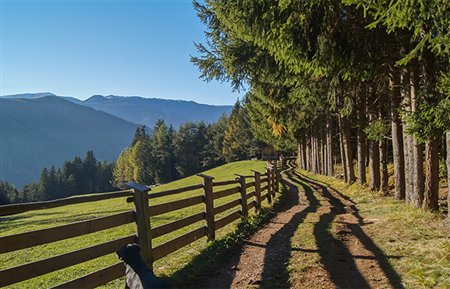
(348, 150)
(308, 153)
(374, 166)
(330, 169)
(407, 138)
(397, 135)
(304, 165)
(343, 159)
(448, 173)
(430, 200)
(384, 169)
(361, 138)
(416, 149)
(299, 154)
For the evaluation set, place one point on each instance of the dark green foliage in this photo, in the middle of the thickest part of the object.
(75, 177)
(212, 156)
(377, 130)
(189, 143)
(239, 142)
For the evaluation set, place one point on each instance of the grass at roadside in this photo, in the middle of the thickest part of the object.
(68, 214)
(421, 238)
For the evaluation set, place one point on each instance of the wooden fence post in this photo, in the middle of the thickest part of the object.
(269, 185)
(143, 221)
(257, 178)
(277, 178)
(243, 192)
(209, 206)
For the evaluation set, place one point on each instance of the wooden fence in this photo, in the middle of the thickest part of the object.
(265, 185)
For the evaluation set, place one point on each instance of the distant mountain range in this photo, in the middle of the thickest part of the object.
(146, 111)
(41, 129)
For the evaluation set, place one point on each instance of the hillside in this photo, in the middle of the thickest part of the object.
(45, 131)
(148, 110)
(34, 220)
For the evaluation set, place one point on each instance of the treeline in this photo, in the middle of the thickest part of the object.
(346, 80)
(165, 154)
(160, 155)
(75, 177)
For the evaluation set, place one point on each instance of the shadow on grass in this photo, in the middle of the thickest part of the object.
(327, 244)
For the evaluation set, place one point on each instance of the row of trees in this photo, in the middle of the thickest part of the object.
(75, 177)
(330, 74)
(166, 154)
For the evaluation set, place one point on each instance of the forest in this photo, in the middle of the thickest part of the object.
(351, 82)
(155, 156)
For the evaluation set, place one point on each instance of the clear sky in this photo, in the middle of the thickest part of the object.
(82, 48)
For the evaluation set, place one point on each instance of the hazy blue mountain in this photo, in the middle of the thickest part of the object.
(148, 110)
(39, 132)
(28, 95)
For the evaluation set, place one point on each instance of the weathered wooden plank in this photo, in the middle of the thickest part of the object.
(248, 185)
(264, 188)
(263, 180)
(96, 278)
(263, 197)
(225, 193)
(20, 208)
(251, 205)
(250, 195)
(224, 183)
(227, 206)
(44, 236)
(174, 191)
(178, 224)
(41, 267)
(177, 243)
(228, 219)
(163, 208)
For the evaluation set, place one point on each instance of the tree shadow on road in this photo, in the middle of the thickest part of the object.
(341, 275)
(278, 249)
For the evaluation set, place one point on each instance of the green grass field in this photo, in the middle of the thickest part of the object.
(34, 220)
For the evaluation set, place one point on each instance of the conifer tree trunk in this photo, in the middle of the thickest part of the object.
(304, 165)
(397, 135)
(448, 173)
(299, 154)
(374, 153)
(348, 150)
(330, 170)
(407, 138)
(308, 153)
(361, 138)
(341, 146)
(430, 200)
(416, 149)
(383, 164)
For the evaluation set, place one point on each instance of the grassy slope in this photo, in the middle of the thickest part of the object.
(422, 238)
(68, 214)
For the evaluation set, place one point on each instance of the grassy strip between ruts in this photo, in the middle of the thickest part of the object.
(421, 238)
(167, 267)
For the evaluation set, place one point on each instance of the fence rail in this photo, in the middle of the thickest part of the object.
(265, 185)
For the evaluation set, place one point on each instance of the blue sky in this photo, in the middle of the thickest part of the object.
(82, 48)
